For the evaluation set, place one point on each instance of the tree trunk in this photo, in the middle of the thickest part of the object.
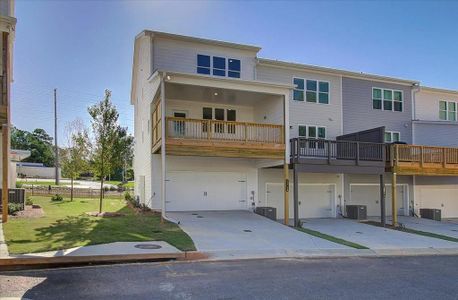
(101, 194)
(71, 190)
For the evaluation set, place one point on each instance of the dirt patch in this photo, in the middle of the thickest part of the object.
(30, 211)
(105, 214)
(142, 210)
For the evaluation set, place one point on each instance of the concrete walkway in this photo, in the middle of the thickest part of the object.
(245, 234)
(444, 228)
(3, 246)
(375, 237)
(117, 248)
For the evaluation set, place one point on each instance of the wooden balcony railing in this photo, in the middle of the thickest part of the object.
(423, 156)
(213, 130)
(306, 148)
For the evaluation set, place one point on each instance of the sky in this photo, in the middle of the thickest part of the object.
(84, 47)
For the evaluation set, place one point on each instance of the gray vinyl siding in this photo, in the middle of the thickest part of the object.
(358, 113)
(436, 134)
(181, 56)
(305, 113)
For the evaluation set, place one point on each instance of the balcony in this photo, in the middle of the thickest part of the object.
(423, 160)
(198, 137)
(339, 156)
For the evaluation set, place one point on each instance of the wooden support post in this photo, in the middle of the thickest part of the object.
(286, 189)
(444, 157)
(163, 150)
(382, 200)
(5, 166)
(394, 209)
(422, 158)
(296, 196)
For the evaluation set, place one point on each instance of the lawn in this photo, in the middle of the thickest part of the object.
(128, 185)
(65, 225)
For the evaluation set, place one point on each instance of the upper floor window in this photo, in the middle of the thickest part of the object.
(447, 110)
(392, 136)
(219, 66)
(315, 91)
(386, 99)
(313, 132)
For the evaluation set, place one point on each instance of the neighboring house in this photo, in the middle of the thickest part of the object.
(36, 170)
(227, 118)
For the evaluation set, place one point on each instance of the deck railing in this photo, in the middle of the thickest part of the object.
(422, 155)
(337, 149)
(213, 130)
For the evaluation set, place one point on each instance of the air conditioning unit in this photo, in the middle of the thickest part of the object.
(268, 212)
(430, 213)
(357, 212)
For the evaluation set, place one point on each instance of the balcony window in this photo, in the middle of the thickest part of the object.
(313, 132)
(203, 64)
(392, 136)
(447, 110)
(234, 68)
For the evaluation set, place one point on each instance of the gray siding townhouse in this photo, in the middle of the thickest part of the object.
(219, 128)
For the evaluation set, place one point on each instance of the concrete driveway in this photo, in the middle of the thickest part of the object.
(244, 231)
(375, 237)
(445, 227)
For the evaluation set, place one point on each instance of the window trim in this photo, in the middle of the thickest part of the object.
(447, 111)
(391, 136)
(316, 127)
(317, 92)
(226, 70)
(383, 99)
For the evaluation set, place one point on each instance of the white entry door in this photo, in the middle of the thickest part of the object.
(189, 190)
(445, 199)
(315, 200)
(369, 195)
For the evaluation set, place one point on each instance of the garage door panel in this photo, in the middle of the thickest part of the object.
(444, 199)
(369, 195)
(188, 191)
(315, 201)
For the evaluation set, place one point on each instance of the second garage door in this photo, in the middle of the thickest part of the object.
(315, 200)
(189, 191)
(445, 199)
(369, 195)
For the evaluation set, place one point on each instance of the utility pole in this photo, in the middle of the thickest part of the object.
(56, 149)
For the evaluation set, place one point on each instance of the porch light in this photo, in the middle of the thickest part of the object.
(168, 77)
(216, 94)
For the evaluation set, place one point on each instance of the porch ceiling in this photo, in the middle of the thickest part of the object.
(211, 94)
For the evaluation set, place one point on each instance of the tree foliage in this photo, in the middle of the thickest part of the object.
(38, 142)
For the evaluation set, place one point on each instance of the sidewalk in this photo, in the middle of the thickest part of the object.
(3, 247)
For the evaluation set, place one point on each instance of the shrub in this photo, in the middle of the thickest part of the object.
(57, 198)
(113, 188)
(18, 185)
(28, 201)
(13, 208)
(128, 197)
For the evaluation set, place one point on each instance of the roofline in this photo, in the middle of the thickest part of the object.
(340, 72)
(438, 90)
(200, 40)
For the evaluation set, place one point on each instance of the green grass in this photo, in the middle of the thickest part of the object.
(66, 225)
(129, 184)
(331, 238)
(414, 231)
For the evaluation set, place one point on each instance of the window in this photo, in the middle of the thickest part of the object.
(447, 110)
(298, 93)
(234, 68)
(313, 132)
(392, 136)
(219, 66)
(310, 94)
(323, 95)
(203, 64)
(386, 99)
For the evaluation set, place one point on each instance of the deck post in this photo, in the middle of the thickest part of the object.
(163, 126)
(382, 200)
(286, 189)
(5, 167)
(394, 210)
(296, 196)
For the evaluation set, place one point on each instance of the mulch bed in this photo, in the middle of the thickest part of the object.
(30, 211)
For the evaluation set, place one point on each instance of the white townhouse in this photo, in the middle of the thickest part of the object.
(218, 128)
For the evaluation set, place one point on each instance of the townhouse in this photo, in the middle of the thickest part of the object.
(218, 128)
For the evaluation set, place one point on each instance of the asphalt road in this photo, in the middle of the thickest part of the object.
(345, 278)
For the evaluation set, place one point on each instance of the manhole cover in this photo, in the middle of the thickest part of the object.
(147, 246)
(247, 230)
(200, 217)
(194, 214)
(358, 232)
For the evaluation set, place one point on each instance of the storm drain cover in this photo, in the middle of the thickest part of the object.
(147, 246)
(194, 214)
(454, 230)
(247, 230)
(359, 232)
(200, 217)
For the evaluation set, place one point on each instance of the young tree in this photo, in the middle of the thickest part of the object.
(75, 156)
(123, 151)
(105, 132)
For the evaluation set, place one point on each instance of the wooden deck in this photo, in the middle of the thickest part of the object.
(422, 160)
(198, 137)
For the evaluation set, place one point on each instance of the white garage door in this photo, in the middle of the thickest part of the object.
(188, 191)
(369, 195)
(315, 200)
(444, 199)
